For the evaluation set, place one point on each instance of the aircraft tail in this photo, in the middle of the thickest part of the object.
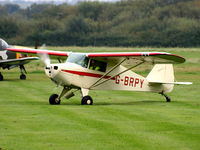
(162, 74)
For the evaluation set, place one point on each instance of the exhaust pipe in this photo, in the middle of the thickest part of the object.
(69, 95)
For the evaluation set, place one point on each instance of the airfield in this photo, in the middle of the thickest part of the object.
(117, 120)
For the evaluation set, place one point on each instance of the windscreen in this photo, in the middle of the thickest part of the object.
(78, 58)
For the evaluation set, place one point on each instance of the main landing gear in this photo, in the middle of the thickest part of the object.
(168, 99)
(23, 72)
(1, 77)
(55, 99)
(86, 100)
(22, 77)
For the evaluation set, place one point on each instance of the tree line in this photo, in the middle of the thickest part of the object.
(157, 23)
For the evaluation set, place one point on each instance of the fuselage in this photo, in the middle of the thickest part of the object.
(73, 75)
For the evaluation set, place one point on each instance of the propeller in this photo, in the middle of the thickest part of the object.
(3, 44)
(45, 59)
(43, 56)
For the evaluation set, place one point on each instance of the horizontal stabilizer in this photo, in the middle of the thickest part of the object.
(178, 83)
(183, 83)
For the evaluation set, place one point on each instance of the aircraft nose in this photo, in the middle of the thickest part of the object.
(51, 70)
(47, 70)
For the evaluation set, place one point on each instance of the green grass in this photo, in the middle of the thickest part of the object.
(117, 120)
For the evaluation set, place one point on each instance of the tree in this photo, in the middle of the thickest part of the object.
(8, 27)
(12, 8)
(90, 10)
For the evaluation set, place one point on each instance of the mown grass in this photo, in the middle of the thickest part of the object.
(117, 120)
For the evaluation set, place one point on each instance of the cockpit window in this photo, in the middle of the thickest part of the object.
(97, 65)
(78, 58)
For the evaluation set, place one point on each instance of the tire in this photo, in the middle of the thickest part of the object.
(1, 77)
(86, 100)
(168, 99)
(53, 99)
(23, 77)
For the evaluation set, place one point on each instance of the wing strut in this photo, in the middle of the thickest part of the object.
(113, 68)
(97, 84)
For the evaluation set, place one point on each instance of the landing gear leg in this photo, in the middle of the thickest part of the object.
(86, 99)
(168, 99)
(23, 72)
(54, 99)
(1, 77)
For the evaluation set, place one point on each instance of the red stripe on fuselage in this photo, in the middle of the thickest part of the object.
(87, 74)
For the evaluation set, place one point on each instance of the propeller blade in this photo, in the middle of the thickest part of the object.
(3, 44)
(43, 46)
(45, 58)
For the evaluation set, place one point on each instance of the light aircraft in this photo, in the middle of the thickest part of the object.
(9, 60)
(107, 71)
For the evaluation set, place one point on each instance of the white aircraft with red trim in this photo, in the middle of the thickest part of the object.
(107, 71)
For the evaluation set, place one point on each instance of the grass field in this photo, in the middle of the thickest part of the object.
(117, 120)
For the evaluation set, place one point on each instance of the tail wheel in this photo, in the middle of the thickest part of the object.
(86, 100)
(54, 99)
(168, 99)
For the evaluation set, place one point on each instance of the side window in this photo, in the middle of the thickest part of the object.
(97, 65)
(84, 62)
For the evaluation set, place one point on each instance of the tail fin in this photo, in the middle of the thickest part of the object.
(162, 74)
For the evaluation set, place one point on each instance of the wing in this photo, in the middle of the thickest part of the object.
(51, 53)
(133, 57)
(16, 62)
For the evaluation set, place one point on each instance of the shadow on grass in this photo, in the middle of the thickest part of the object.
(76, 103)
(24, 103)
(143, 102)
(9, 80)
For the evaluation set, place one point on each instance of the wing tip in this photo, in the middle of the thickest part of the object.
(180, 58)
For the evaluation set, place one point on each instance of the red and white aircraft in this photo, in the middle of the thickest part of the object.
(107, 71)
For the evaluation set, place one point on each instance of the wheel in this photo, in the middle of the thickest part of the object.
(23, 77)
(86, 100)
(168, 99)
(1, 77)
(54, 100)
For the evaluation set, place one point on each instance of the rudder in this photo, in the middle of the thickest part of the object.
(162, 74)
